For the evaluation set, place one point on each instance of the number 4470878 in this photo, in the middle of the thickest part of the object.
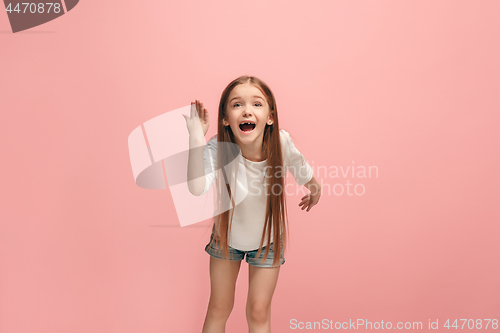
(35, 7)
(471, 323)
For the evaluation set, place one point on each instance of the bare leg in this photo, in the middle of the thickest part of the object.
(223, 275)
(262, 283)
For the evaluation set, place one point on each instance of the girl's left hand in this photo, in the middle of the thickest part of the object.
(310, 199)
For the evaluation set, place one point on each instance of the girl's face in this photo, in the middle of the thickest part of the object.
(247, 113)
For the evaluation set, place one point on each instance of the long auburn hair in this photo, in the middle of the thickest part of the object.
(276, 215)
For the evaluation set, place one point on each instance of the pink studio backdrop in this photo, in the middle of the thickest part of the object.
(410, 87)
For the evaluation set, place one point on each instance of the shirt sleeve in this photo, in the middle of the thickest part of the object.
(295, 161)
(210, 162)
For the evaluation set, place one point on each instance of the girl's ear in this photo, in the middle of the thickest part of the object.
(270, 120)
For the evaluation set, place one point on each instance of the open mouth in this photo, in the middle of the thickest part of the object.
(247, 127)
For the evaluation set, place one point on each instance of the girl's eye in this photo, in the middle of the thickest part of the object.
(258, 103)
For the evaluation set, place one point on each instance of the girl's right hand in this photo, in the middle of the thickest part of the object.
(199, 116)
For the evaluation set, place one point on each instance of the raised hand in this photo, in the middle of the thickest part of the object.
(198, 122)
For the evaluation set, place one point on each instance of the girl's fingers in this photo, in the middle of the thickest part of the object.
(307, 203)
(193, 108)
(200, 110)
(311, 206)
(205, 115)
(197, 108)
(307, 206)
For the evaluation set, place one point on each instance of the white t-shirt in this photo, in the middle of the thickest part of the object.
(249, 215)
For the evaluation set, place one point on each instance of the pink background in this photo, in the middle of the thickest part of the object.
(408, 86)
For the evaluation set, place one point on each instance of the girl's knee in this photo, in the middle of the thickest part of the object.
(259, 313)
(220, 310)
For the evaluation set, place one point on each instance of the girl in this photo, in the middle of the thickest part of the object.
(256, 225)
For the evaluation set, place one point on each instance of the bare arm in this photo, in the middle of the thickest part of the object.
(198, 126)
(313, 185)
(196, 166)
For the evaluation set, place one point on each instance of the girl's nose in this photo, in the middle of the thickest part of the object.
(247, 111)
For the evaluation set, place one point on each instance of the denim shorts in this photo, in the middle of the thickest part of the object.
(251, 256)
